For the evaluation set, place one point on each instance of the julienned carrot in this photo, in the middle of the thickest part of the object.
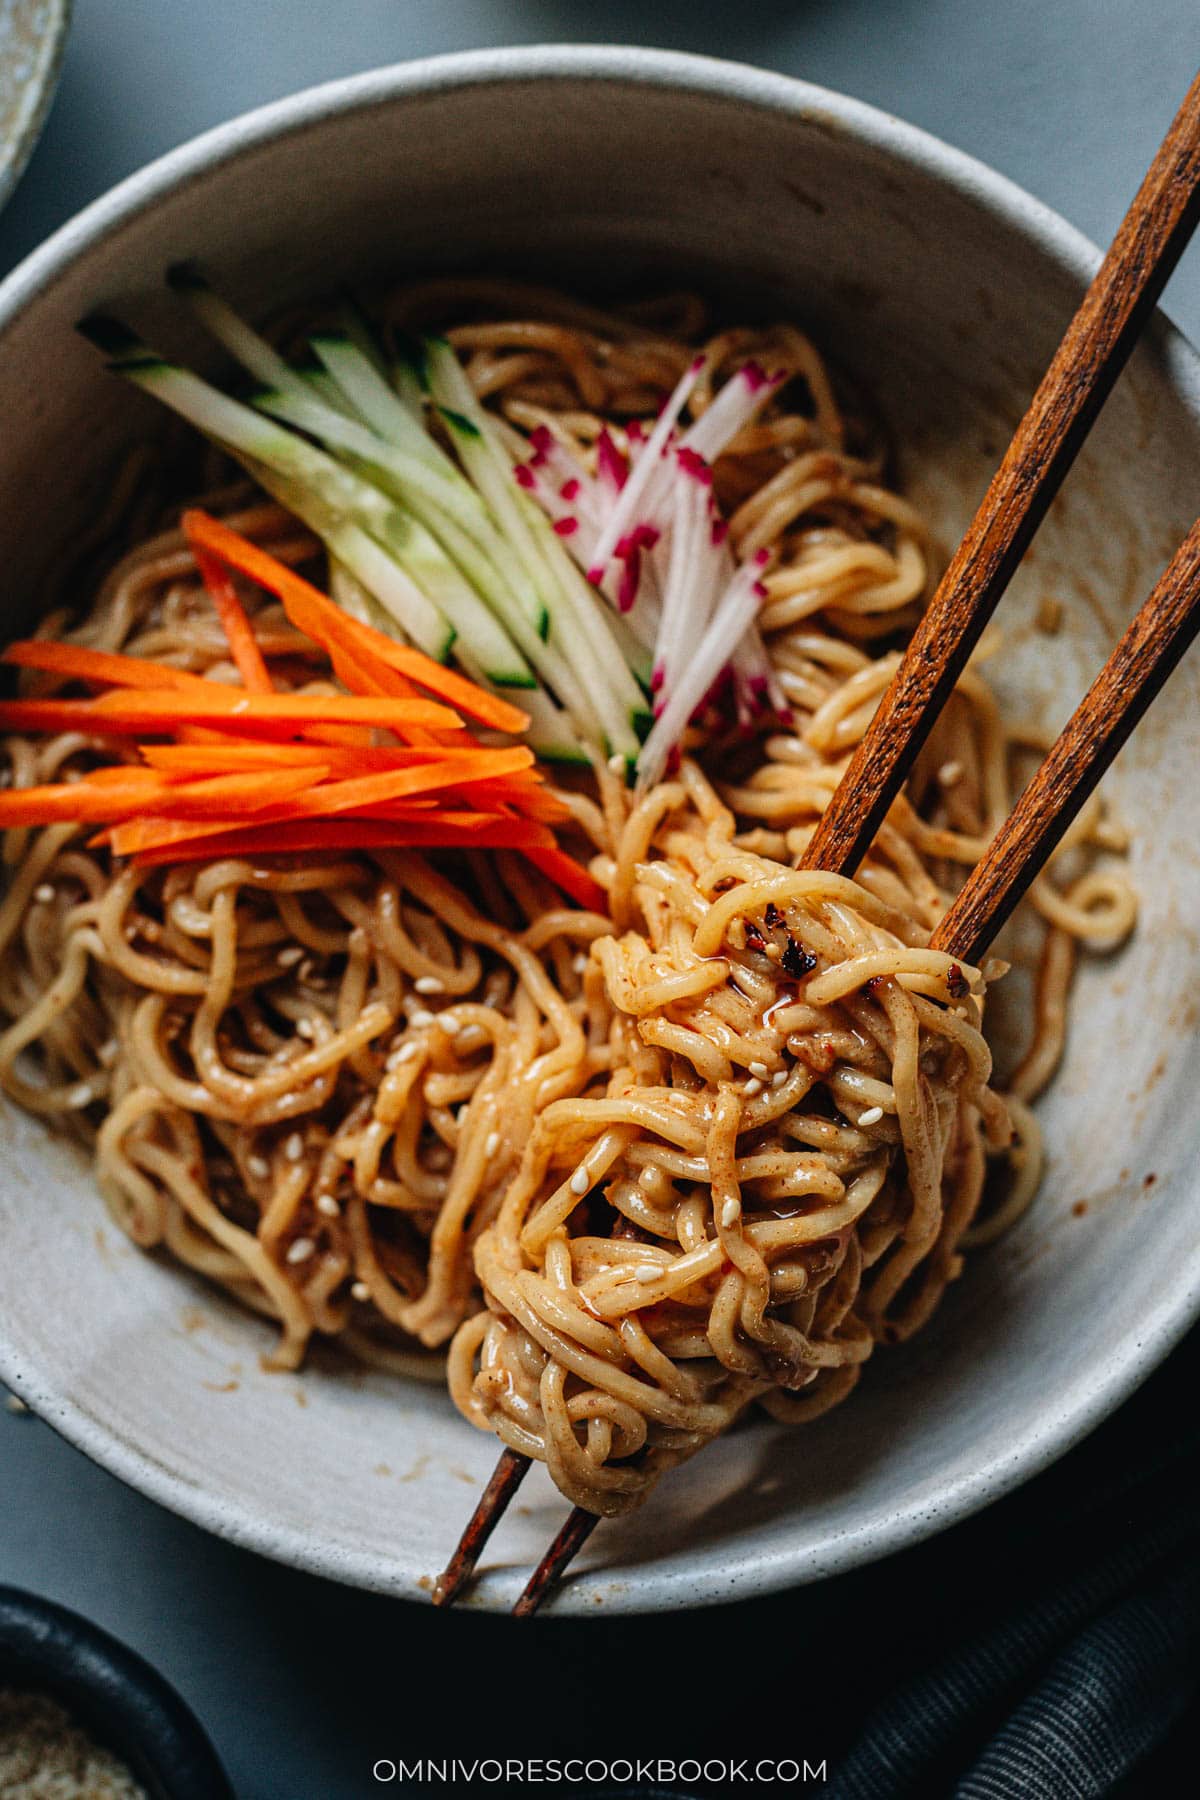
(568, 875)
(171, 840)
(75, 662)
(392, 790)
(80, 804)
(243, 645)
(208, 758)
(130, 793)
(124, 713)
(319, 618)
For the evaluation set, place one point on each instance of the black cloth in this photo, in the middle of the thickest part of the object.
(1078, 1652)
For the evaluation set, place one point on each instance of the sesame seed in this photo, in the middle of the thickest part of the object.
(294, 1148)
(15, 1404)
(579, 963)
(448, 1022)
(82, 1095)
(645, 1273)
(328, 1206)
(289, 956)
(492, 1145)
(404, 1054)
(43, 893)
(429, 984)
(259, 1167)
(301, 1250)
(306, 1029)
(360, 1291)
(108, 1052)
(872, 1116)
(616, 763)
(421, 1021)
(949, 773)
(779, 1077)
(731, 1212)
(752, 1087)
(581, 1181)
(759, 1069)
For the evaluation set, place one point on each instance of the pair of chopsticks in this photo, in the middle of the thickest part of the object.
(1098, 341)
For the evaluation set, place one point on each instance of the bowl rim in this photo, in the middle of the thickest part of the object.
(752, 1569)
(113, 1692)
(30, 117)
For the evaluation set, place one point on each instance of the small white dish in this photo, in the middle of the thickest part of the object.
(33, 35)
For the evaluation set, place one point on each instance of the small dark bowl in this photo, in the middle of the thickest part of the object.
(113, 1693)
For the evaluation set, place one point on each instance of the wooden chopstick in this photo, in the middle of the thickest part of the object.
(1131, 678)
(1122, 295)
(1118, 698)
(1098, 341)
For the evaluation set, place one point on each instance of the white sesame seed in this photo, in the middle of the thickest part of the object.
(404, 1054)
(759, 1069)
(259, 1167)
(421, 1021)
(779, 1077)
(731, 1212)
(872, 1116)
(616, 763)
(81, 1095)
(492, 1145)
(43, 893)
(301, 1250)
(579, 963)
(752, 1087)
(645, 1273)
(429, 984)
(294, 1148)
(949, 773)
(328, 1206)
(581, 1181)
(289, 956)
(448, 1022)
(306, 1029)
(360, 1291)
(108, 1052)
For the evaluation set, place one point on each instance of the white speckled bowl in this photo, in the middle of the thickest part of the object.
(946, 289)
(33, 34)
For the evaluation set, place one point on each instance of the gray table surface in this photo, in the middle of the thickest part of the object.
(1068, 98)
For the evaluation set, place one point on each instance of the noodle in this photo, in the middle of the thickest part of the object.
(638, 1170)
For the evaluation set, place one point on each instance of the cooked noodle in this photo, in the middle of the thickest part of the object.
(643, 1169)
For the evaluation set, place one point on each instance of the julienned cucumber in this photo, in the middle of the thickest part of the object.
(445, 550)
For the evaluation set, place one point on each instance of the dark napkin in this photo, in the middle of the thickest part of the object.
(1069, 1620)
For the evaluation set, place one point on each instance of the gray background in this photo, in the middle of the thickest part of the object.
(302, 1685)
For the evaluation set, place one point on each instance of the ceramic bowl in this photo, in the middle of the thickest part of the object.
(944, 289)
(33, 35)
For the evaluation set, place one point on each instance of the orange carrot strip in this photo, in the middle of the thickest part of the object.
(130, 711)
(178, 839)
(223, 795)
(233, 754)
(76, 662)
(73, 803)
(319, 618)
(243, 645)
(567, 874)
